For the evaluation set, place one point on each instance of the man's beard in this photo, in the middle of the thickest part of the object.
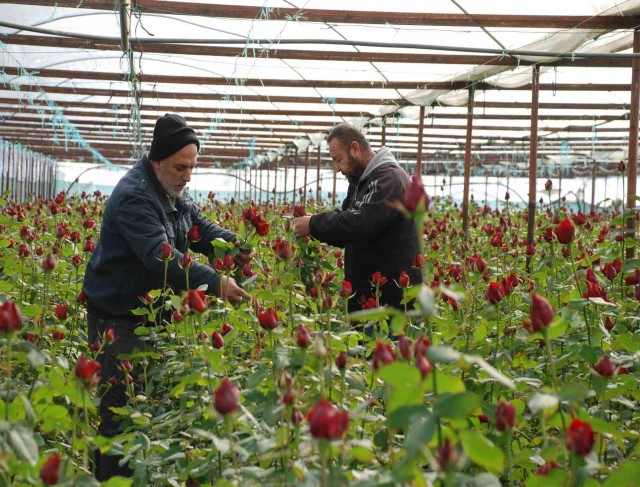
(356, 168)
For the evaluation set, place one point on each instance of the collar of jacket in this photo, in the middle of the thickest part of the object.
(157, 187)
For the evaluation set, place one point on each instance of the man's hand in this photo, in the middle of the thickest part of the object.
(230, 290)
(301, 226)
(242, 258)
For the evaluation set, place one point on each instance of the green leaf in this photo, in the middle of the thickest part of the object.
(405, 415)
(35, 358)
(447, 384)
(482, 451)
(372, 314)
(455, 405)
(55, 418)
(287, 279)
(573, 392)
(494, 373)
(420, 434)
(625, 476)
(626, 343)
(24, 444)
(446, 355)
(400, 374)
(362, 454)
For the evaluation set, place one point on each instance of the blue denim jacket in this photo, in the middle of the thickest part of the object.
(138, 218)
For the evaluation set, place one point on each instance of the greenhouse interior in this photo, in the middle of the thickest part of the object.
(319, 242)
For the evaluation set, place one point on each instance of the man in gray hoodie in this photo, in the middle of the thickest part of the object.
(376, 237)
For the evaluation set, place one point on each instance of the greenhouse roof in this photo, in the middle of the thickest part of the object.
(85, 80)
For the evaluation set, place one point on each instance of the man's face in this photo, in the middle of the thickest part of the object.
(174, 172)
(347, 160)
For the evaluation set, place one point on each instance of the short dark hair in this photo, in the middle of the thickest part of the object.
(346, 134)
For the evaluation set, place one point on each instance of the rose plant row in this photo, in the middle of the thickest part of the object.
(513, 364)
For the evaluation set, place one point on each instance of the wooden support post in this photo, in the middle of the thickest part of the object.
(420, 136)
(285, 161)
(268, 184)
(306, 170)
(593, 185)
(333, 191)
(384, 132)
(467, 162)
(533, 158)
(295, 174)
(632, 167)
(318, 179)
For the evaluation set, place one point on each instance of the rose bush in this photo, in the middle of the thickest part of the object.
(514, 363)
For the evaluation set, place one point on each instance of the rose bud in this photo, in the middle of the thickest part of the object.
(225, 397)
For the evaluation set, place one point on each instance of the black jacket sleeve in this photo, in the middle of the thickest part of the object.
(140, 225)
(370, 215)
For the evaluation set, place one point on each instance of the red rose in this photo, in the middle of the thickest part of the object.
(303, 336)
(605, 367)
(494, 293)
(193, 235)
(61, 311)
(565, 231)
(50, 470)
(541, 313)
(404, 280)
(377, 279)
(346, 289)
(165, 251)
(580, 219)
(186, 261)
(483, 418)
(299, 210)
(225, 397)
(383, 355)
(87, 371)
(421, 345)
(505, 416)
(404, 346)
(218, 265)
(226, 328)
(10, 317)
(197, 300)
(326, 422)
(580, 438)
(341, 360)
(110, 335)
(548, 185)
(424, 365)
(262, 228)
(228, 263)
(49, 263)
(415, 195)
(268, 319)
(216, 340)
(546, 467)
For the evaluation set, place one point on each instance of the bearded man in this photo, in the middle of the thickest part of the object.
(376, 237)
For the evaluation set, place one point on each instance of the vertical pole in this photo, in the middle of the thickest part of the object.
(318, 179)
(467, 163)
(268, 184)
(593, 185)
(295, 174)
(275, 182)
(333, 191)
(384, 132)
(533, 157)
(420, 135)
(260, 189)
(306, 170)
(285, 161)
(632, 167)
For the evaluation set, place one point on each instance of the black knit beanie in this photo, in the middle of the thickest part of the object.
(171, 134)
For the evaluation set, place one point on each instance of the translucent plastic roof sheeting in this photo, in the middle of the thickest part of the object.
(249, 114)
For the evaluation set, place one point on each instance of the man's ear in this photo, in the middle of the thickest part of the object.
(355, 147)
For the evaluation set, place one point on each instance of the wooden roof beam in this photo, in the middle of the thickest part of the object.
(348, 56)
(608, 22)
